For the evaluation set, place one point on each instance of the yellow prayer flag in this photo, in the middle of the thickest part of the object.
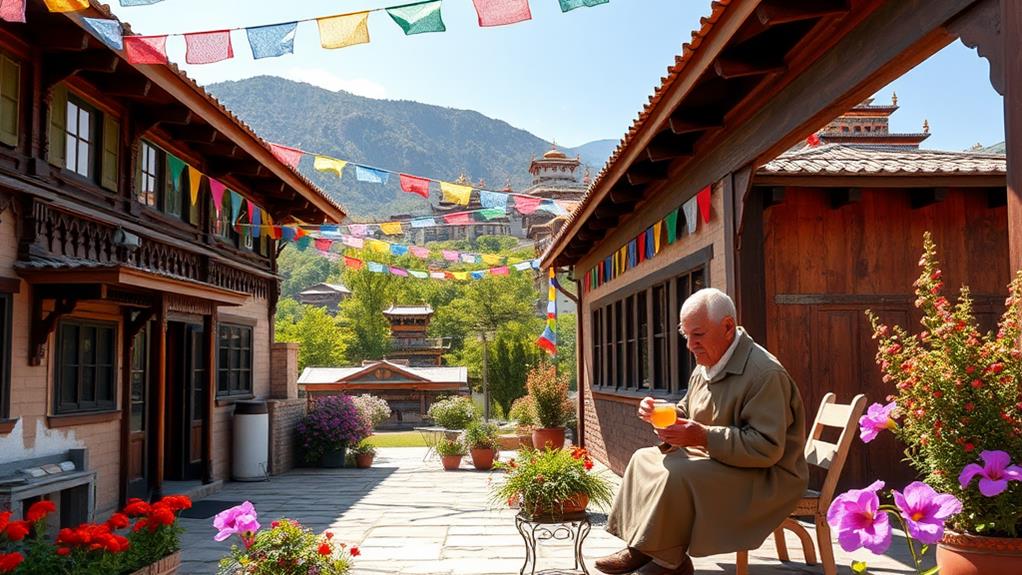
(460, 275)
(491, 259)
(325, 164)
(656, 236)
(391, 228)
(194, 180)
(341, 31)
(66, 5)
(377, 246)
(456, 194)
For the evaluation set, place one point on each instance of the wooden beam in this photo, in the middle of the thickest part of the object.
(598, 224)
(217, 149)
(133, 87)
(920, 198)
(625, 195)
(194, 133)
(607, 212)
(59, 68)
(1011, 30)
(774, 12)
(843, 196)
(64, 41)
(223, 167)
(770, 195)
(688, 121)
(644, 173)
(670, 146)
(731, 67)
(586, 235)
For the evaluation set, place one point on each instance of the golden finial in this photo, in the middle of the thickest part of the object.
(926, 126)
(894, 98)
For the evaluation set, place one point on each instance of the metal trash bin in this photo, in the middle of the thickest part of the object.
(250, 453)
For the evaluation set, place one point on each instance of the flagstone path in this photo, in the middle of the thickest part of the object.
(411, 517)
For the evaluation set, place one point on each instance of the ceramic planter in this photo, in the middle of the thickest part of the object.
(574, 504)
(364, 460)
(166, 566)
(482, 459)
(333, 459)
(552, 437)
(963, 554)
(451, 462)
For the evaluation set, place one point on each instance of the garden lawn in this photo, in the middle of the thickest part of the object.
(397, 439)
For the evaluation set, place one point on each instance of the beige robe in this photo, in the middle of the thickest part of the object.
(732, 494)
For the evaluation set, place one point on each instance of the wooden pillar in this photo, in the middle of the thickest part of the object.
(160, 412)
(580, 366)
(1011, 35)
(210, 327)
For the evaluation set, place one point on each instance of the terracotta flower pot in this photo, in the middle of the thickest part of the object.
(451, 462)
(574, 504)
(552, 437)
(166, 566)
(963, 554)
(482, 459)
(364, 460)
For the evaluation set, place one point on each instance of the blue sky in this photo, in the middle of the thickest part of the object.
(573, 77)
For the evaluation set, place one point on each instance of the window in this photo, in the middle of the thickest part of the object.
(80, 138)
(150, 174)
(85, 375)
(234, 368)
(10, 96)
(6, 300)
(686, 285)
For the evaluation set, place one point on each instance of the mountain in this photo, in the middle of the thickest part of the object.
(400, 135)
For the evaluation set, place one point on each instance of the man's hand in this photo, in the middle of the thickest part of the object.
(684, 433)
(646, 409)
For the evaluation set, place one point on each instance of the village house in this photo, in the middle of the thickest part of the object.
(133, 312)
(715, 185)
(325, 295)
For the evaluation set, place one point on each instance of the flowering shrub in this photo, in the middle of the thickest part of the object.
(286, 548)
(454, 412)
(375, 410)
(521, 412)
(957, 401)
(545, 479)
(549, 397)
(332, 423)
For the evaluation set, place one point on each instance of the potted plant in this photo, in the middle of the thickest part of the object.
(364, 453)
(285, 548)
(956, 403)
(521, 413)
(481, 440)
(450, 451)
(453, 413)
(375, 410)
(332, 424)
(551, 408)
(552, 482)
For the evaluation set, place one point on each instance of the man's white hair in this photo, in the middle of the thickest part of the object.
(718, 305)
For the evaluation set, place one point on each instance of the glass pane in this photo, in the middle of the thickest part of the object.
(84, 119)
(88, 386)
(9, 115)
(68, 384)
(71, 121)
(82, 161)
(88, 345)
(246, 338)
(71, 153)
(105, 383)
(137, 417)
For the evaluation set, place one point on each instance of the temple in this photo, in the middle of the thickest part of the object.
(409, 325)
(867, 124)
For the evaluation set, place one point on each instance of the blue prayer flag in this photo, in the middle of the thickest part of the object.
(376, 267)
(569, 5)
(423, 222)
(478, 275)
(420, 275)
(492, 199)
(273, 40)
(552, 207)
(108, 31)
(329, 230)
(287, 233)
(364, 174)
(632, 254)
(535, 264)
(398, 250)
(650, 247)
(235, 206)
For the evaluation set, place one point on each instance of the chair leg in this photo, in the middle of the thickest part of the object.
(742, 563)
(826, 546)
(782, 547)
(808, 550)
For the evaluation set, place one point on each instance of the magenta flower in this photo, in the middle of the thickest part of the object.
(240, 519)
(858, 520)
(994, 474)
(878, 418)
(925, 510)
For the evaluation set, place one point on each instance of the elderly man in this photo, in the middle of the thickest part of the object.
(731, 468)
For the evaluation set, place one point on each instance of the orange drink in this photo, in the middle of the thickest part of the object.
(664, 414)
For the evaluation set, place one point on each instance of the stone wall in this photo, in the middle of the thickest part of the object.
(284, 416)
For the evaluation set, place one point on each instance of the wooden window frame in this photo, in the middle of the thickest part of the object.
(11, 138)
(60, 406)
(159, 167)
(224, 389)
(6, 309)
(93, 141)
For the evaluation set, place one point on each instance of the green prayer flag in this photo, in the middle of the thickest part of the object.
(569, 5)
(235, 206)
(418, 18)
(176, 165)
(303, 243)
(492, 213)
(672, 226)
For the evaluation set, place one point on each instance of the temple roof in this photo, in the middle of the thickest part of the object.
(835, 159)
(326, 375)
(421, 309)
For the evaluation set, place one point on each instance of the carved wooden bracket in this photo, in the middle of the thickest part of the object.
(42, 327)
(133, 326)
(980, 28)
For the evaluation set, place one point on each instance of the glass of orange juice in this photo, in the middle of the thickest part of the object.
(664, 414)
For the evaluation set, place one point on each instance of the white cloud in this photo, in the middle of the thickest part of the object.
(330, 81)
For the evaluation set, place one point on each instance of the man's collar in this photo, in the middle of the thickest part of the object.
(736, 364)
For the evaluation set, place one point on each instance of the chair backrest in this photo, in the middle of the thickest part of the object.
(831, 456)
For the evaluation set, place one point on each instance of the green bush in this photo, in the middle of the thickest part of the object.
(450, 447)
(549, 393)
(480, 435)
(521, 412)
(453, 412)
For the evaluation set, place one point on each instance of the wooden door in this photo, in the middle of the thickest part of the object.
(186, 401)
(196, 400)
(137, 481)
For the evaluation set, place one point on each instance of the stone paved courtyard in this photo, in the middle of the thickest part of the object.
(410, 516)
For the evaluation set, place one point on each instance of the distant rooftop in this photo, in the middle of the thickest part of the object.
(325, 288)
(836, 159)
(420, 309)
(325, 375)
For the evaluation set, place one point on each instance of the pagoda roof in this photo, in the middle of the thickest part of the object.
(325, 288)
(421, 309)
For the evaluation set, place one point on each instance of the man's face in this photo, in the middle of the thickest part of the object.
(707, 340)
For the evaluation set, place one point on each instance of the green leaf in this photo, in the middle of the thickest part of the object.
(859, 566)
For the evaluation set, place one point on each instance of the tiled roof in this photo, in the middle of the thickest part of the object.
(408, 310)
(835, 159)
(322, 375)
(325, 288)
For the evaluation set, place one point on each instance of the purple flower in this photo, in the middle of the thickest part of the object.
(878, 418)
(858, 520)
(240, 519)
(995, 473)
(925, 510)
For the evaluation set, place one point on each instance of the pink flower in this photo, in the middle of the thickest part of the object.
(995, 473)
(859, 522)
(925, 510)
(240, 519)
(878, 418)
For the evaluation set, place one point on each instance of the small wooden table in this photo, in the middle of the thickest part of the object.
(533, 529)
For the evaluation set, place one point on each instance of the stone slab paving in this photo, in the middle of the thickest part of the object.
(411, 517)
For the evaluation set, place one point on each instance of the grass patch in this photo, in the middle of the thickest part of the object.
(397, 439)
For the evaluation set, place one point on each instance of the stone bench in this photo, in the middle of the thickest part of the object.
(63, 478)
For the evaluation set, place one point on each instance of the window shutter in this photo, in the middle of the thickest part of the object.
(10, 92)
(111, 145)
(57, 142)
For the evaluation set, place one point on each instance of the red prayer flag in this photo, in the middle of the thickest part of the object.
(448, 276)
(458, 218)
(146, 49)
(501, 12)
(527, 204)
(353, 263)
(813, 140)
(641, 243)
(323, 244)
(415, 185)
(12, 10)
(208, 47)
(287, 155)
(501, 271)
(703, 199)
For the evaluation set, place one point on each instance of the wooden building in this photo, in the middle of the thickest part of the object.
(325, 295)
(409, 328)
(131, 316)
(804, 240)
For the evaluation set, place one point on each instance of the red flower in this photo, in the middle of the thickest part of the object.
(17, 530)
(996, 367)
(354, 551)
(976, 384)
(177, 502)
(136, 508)
(329, 535)
(139, 525)
(9, 561)
(588, 464)
(969, 447)
(39, 510)
(970, 406)
(118, 521)
(62, 551)
(160, 515)
(275, 524)
(325, 549)
(5, 516)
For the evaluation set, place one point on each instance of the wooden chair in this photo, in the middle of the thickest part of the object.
(829, 456)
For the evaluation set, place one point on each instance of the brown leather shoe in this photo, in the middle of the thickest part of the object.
(651, 568)
(622, 562)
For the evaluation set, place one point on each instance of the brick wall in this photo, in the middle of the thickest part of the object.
(284, 416)
(284, 370)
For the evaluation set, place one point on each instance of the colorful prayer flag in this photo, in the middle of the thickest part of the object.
(66, 5)
(391, 228)
(656, 236)
(499, 271)
(353, 263)
(371, 175)
(672, 226)
(398, 250)
(376, 267)
(377, 246)
(501, 12)
(423, 222)
(288, 233)
(323, 244)
(303, 243)
(194, 181)
(703, 199)
(287, 155)
(437, 275)
(353, 242)
(569, 5)
(456, 194)
(418, 274)
(418, 18)
(491, 259)
(176, 167)
(522, 266)
(460, 275)
(690, 208)
(139, 2)
(419, 251)
(254, 217)
(414, 185)
(449, 255)
(342, 31)
(493, 199)
(216, 190)
(358, 229)
(208, 47)
(273, 40)
(468, 258)
(640, 247)
(548, 339)
(478, 275)
(235, 207)
(527, 204)
(325, 164)
(458, 218)
(108, 31)
(633, 256)
(398, 271)
(492, 213)
(145, 49)
(552, 207)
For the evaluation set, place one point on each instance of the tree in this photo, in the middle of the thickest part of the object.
(361, 315)
(301, 269)
(566, 361)
(317, 335)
